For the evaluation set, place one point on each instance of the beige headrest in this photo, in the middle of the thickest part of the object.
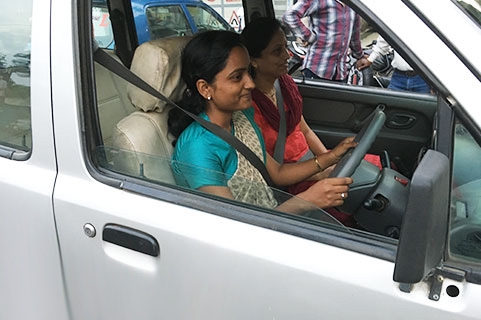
(158, 63)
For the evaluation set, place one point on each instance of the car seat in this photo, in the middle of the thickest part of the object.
(143, 147)
(112, 101)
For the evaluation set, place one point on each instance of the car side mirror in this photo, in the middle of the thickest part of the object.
(425, 223)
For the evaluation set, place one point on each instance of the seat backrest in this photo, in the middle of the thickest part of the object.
(112, 101)
(142, 137)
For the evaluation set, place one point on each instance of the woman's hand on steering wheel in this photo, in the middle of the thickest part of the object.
(330, 158)
(327, 193)
(365, 138)
(344, 146)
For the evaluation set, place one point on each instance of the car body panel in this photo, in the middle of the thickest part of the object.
(30, 267)
(466, 42)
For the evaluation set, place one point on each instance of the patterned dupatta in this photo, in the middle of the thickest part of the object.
(247, 184)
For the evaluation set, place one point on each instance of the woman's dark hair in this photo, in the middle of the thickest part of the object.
(202, 58)
(257, 35)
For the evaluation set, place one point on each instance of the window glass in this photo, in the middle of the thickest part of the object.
(15, 31)
(472, 8)
(103, 33)
(167, 21)
(160, 169)
(206, 20)
(465, 230)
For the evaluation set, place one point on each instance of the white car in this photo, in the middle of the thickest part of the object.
(95, 227)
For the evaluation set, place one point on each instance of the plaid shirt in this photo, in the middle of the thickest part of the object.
(333, 29)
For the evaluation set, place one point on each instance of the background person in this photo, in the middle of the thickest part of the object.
(333, 29)
(403, 78)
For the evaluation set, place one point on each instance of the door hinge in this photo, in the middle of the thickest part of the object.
(437, 279)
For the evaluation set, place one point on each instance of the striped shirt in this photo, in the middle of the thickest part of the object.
(333, 29)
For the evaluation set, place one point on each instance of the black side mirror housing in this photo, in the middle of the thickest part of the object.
(425, 223)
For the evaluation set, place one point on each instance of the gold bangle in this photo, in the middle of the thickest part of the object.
(317, 164)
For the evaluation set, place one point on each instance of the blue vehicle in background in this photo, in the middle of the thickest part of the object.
(159, 19)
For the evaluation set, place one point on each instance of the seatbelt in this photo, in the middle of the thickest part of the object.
(119, 69)
(281, 135)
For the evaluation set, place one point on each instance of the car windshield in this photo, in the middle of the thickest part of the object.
(472, 8)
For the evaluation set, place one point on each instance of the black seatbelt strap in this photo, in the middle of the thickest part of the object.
(119, 69)
(281, 135)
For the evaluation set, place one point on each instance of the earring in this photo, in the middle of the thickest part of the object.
(209, 97)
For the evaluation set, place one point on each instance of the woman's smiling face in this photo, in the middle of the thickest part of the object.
(231, 88)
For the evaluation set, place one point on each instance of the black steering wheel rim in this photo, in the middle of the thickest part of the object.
(365, 138)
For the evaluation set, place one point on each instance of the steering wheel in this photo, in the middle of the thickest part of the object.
(365, 138)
